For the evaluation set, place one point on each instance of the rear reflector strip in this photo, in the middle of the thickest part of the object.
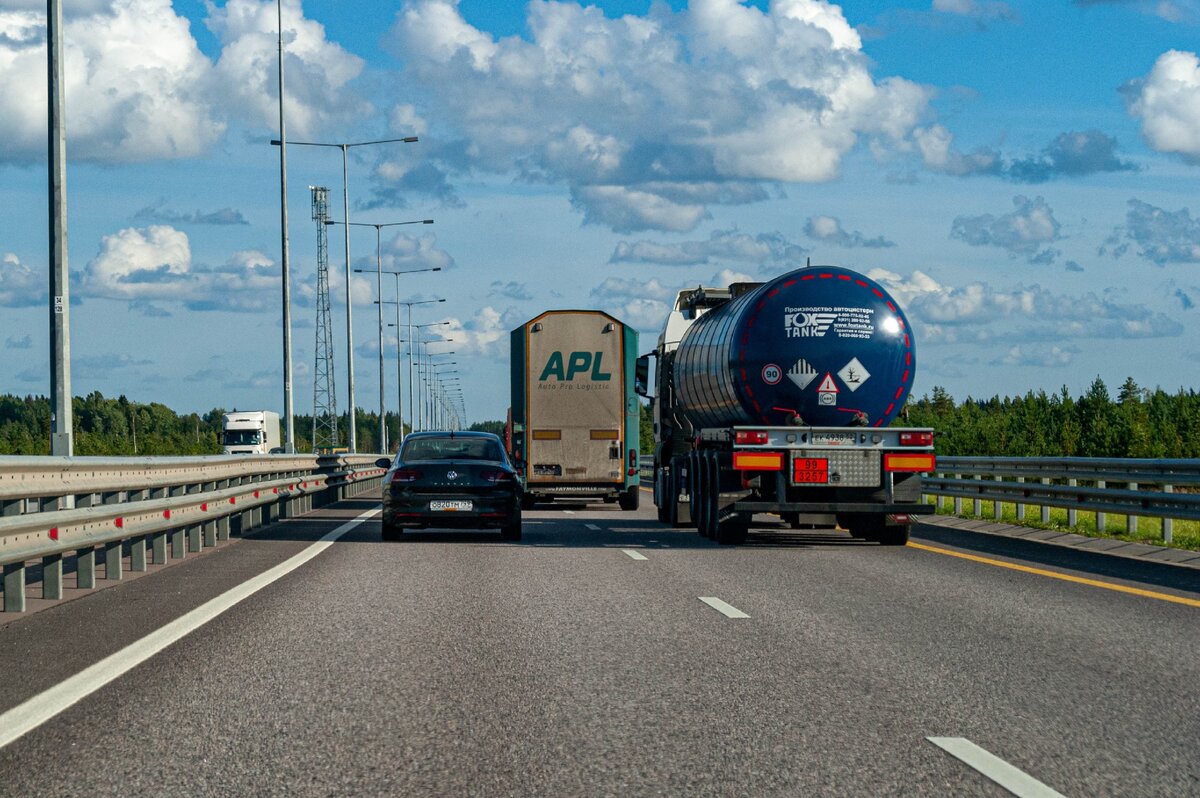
(909, 462)
(758, 461)
(547, 435)
(604, 435)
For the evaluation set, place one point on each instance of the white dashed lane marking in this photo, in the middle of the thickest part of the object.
(634, 555)
(1013, 779)
(592, 527)
(728, 610)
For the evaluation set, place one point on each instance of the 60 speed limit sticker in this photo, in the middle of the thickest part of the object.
(772, 374)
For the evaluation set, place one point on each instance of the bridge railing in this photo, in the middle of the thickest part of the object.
(1134, 488)
(149, 508)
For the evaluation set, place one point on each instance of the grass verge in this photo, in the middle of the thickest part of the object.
(1185, 534)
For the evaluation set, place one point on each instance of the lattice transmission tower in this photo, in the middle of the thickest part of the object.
(325, 417)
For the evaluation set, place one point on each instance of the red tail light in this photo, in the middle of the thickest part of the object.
(754, 436)
(916, 439)
(405, 475)
(633, 459)
(497, 475)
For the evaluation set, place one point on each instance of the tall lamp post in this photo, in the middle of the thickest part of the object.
(379, 292)
(421, 390)
(61, 418)
(289, 426)
(346, 215)
(435, 381)
(411, 407)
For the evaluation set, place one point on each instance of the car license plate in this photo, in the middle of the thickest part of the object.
(450, 506)
(834, 438)
(810, 470)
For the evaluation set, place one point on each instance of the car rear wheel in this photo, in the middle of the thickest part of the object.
(391, 532)
(512, 530)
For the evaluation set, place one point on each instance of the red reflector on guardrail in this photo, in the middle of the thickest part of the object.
(119, 523)
(54, 533)
(256, 494)
(204, 506)
(166, 513)
(233, 499)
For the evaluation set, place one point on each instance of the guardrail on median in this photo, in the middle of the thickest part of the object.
(1134, 488)
(53, 507)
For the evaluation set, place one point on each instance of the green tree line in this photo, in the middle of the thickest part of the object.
(120, 427)
(1137, 423)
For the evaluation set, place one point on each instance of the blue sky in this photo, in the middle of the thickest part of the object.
(1022, 175)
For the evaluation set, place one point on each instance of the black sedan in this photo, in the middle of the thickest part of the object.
(460, 480)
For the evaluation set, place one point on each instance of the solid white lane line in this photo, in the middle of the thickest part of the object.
(26, 717)
(728, 610)
(633, 555)
(592, 527)
(568, 512)
(1016, 781)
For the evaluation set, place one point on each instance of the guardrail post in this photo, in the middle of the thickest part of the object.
(1168, 524)
(137, 554)
(85, 568)
(14, 587)
(1020, 504)
(178, 544)
(1072, 513)
(223, 528)
(112, 560)
(52, 577)
(958, 505)
(193, 538)
(158, 548)
(1100, 517)
(1045, 507)
(1131, 520)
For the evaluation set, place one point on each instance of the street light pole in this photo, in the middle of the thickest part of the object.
(61, 417)
(349, 302)
(289, 443)
(379, 292)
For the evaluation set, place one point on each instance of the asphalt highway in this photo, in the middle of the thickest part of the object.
(606, 654)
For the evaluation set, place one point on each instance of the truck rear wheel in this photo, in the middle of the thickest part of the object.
(527, 501)
(630, 498)
(662, 495)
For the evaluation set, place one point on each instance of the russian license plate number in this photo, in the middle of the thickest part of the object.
(810, 470)
(450, 506)
(833, 438)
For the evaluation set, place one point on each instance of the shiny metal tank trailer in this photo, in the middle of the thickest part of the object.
(776, 397)
(574, 420)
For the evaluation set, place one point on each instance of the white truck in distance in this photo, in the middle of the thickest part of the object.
(251, 432)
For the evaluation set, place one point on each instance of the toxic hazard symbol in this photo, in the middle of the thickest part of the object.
(827, 391)
(802, 374)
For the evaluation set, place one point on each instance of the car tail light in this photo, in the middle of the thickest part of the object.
(758, 461)
(497, 475)
(754, 436)
(916, 439)
(909, 462)
(405, 475)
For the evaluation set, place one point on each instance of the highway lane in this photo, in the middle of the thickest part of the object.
(457, 664)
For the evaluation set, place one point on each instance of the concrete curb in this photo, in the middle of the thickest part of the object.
(1183, 558)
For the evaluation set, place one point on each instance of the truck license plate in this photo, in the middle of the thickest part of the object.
(450, 506)
(810, 470)
(833, 438)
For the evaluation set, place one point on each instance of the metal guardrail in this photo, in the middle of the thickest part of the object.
(1134, 488)
(51, 507)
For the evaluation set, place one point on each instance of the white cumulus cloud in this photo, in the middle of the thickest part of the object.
(1168, 103)
(649, 119)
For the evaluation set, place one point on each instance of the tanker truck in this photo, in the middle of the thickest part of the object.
(776, 398)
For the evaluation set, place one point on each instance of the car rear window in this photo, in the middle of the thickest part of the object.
(451, 449)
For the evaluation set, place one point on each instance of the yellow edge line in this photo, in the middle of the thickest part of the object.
(1065, 577)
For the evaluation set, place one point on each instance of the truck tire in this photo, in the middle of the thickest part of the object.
(631, 498)
(732, 531)
(695, 490)
(894, 535)
(662, 481)
(875, 528)
(710, 495)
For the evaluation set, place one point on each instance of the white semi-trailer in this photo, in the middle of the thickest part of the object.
(250, 432)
